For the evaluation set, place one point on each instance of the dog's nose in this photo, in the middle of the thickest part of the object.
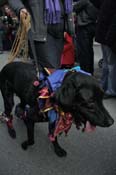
(110, 121)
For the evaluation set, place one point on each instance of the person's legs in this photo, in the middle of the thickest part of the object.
(104, 76)
(111, 89)
(109, 71)
(49, 52)
(85, 47)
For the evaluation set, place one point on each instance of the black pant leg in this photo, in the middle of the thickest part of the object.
(85, 37)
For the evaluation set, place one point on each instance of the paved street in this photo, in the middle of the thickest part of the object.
(88, 154)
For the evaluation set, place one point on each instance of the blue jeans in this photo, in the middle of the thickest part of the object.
(108, 79)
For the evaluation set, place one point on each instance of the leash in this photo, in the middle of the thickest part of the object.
(20, 44)
(34, 54)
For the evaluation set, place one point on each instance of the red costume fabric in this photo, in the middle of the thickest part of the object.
(68, 55)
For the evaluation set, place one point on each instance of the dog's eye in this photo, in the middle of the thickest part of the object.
(90, 105)
(91, 101)
(83, 103)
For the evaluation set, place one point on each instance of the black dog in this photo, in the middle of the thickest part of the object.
(79, 95)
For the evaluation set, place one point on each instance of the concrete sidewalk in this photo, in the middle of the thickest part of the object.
(4, 58)
(88, 154)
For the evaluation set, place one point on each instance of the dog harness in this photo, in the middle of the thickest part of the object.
(60, 121)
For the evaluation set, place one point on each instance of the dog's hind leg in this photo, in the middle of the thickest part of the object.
(7, 94)
(30, 134)
(57, 148)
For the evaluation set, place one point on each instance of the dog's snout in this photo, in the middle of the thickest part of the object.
(109, 122)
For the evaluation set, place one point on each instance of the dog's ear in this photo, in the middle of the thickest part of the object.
(66, 94)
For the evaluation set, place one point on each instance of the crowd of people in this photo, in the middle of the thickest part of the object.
(52, 20)
(8, 28)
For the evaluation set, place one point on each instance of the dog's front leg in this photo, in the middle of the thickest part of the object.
(57, 148)
(30, 134)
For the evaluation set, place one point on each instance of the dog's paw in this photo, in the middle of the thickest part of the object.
(12, 132)
(25, 144)
(31, 143)
(60, 152)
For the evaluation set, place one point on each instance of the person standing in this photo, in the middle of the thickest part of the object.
(106, 35)
(86, 23)
(49, 20)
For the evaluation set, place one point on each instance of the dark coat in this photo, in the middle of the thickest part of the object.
(35, 8)
(106, 26)
(97, 3)
(86, 12)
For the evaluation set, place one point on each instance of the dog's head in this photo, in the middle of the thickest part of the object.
(81, 95)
